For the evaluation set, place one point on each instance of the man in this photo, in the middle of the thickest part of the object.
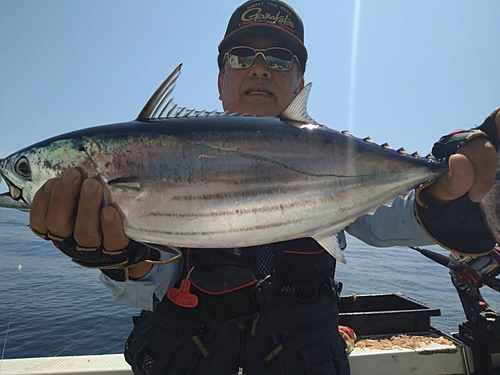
(288, 322)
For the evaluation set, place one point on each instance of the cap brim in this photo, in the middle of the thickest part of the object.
(267, 29)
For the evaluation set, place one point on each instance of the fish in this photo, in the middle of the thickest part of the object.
(201, 179)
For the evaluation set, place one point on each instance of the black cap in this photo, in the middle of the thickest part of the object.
(273, 18)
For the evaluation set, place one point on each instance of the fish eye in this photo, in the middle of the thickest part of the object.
(22, 167)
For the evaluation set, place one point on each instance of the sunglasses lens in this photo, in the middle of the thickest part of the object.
(240, 57)
(279, 59)
(276, 58)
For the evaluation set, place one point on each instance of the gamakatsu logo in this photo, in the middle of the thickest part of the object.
(255, 14)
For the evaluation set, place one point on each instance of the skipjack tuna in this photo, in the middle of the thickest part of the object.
(217, 180)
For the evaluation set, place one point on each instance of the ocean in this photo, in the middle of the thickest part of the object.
(52, 307)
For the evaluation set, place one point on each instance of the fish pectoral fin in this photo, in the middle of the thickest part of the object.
(139, 184)
(125, 183)
(331, 244)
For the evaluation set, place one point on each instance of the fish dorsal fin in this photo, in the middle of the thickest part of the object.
(331, 244)
(161, 105)
(297, 109)
(157, 100)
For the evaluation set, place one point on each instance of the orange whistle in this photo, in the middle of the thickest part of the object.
(181, 296)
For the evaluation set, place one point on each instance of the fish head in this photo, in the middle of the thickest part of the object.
(26, 171)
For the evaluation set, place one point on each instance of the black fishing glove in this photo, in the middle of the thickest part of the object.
(458, 225)
(449, 144)
(114, 264)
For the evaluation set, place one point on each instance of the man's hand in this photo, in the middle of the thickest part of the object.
(55, 210)
(472, 171)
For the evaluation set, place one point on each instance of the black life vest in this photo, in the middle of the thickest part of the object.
(219, 271)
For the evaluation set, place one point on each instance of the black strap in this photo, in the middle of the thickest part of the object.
(244, 304)
(237, 306)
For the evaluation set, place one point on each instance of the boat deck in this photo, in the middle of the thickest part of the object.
(432, 359)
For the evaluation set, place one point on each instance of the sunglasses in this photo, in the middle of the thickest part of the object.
(277, 58)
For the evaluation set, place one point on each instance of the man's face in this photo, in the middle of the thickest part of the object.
(259, 90)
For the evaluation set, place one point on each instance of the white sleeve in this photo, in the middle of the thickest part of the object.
(393, 225)
(140, 293)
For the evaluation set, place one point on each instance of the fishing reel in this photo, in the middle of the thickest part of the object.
(478, 271)
(481, 331)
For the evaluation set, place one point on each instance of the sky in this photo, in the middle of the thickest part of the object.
(402, 72)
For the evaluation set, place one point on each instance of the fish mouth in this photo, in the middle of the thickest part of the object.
(14, 197)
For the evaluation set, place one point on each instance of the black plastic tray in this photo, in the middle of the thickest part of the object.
(377, 314)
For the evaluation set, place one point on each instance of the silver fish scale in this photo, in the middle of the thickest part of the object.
(242, 188)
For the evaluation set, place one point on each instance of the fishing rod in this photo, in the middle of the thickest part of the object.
(481, 331)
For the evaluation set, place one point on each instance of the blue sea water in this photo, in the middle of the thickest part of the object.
(52, 307)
